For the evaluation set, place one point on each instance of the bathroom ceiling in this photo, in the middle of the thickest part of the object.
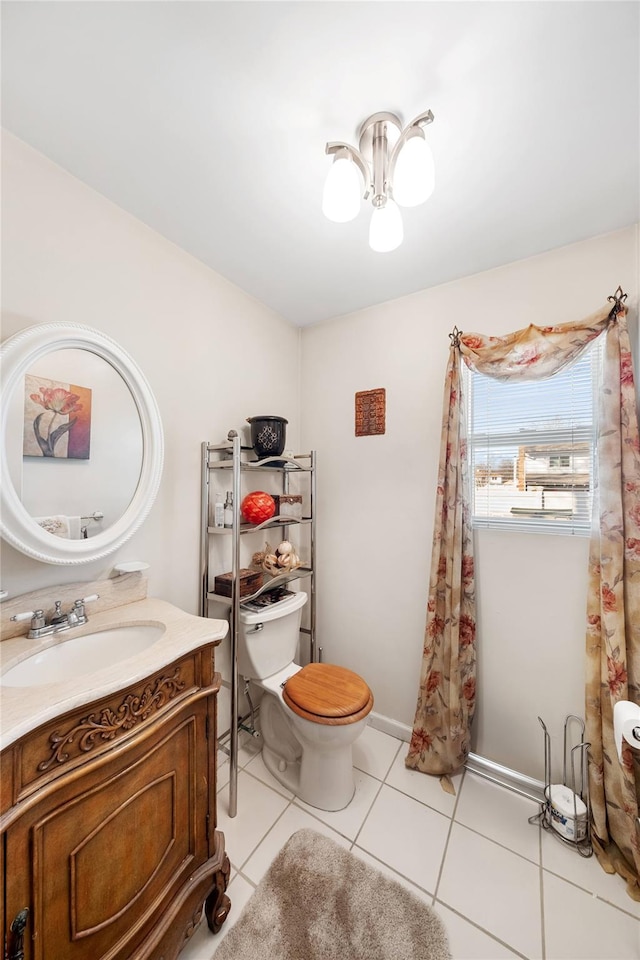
(208, 122)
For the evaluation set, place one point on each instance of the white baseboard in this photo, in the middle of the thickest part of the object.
(401, 731)
(512, 779)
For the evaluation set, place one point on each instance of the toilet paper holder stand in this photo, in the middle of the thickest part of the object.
(571, 826)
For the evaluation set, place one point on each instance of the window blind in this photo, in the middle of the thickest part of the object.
(531, 447)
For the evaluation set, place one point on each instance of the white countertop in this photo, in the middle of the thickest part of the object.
(23, 709)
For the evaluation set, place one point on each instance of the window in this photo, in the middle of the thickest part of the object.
(560, 460)
(531, 448)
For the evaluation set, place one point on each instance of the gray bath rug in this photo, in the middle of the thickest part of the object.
(319, 902)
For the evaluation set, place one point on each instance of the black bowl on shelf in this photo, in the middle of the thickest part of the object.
(268, 435)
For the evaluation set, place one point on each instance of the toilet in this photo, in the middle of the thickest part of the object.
(309, 716)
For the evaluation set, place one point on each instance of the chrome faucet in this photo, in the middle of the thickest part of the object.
(60, 621)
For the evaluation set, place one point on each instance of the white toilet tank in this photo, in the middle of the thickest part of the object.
(268, 638)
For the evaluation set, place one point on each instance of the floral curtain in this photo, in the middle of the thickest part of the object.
(446, 696)
(440, 741)
(613, 614)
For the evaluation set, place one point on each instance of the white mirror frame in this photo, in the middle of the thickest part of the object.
(17, 355)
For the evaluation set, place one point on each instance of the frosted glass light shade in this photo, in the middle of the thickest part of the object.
(414, 174)
(385, 229)
(341, 196)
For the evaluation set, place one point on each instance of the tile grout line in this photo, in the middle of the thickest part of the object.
(298, 806)
(278, 818)
(592, 893)
(246, 879)
(267, 832)
(412, 796)
(446, 843)
(393, 870)
(477, 926)
(398, 873)
(382, 779)
(437, 900)
(366, 816)
(503, 846)
(383, 783)
(264, 783)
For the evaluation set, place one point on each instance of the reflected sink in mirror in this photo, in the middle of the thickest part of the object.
(79, 656)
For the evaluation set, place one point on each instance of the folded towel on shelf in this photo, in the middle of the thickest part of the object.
(58, 525)
(75, 528)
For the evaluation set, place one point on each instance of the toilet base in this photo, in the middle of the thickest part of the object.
(326, 783)
(312, 760)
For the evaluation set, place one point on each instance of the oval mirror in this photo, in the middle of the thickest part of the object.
(82, 445)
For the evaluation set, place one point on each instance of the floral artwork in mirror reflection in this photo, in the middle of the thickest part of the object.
(57, 419)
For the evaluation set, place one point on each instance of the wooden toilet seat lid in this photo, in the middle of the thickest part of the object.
(326, 693)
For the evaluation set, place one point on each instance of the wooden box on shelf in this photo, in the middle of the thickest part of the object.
(249, 581)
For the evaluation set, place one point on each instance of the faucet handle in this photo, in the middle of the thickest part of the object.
(36, 617)
(89, 599)
(78, 606)
(25, 615)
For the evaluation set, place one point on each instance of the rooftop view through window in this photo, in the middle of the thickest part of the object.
(531, 448)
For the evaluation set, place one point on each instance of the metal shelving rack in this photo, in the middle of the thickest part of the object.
(231, 458)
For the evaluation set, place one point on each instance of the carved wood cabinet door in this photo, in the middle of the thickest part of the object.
(100, 856)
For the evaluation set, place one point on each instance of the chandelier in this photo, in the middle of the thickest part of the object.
(393, 166)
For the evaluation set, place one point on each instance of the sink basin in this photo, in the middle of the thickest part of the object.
(79, 656)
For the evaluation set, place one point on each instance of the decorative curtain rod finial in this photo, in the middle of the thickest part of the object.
(454, 336)
(618, 299)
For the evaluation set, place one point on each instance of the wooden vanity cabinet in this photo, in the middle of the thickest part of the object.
(110, 840)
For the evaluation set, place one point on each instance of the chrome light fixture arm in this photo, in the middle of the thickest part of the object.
(339, 149)
(413, 129)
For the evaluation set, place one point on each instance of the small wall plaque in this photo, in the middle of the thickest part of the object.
(370, 412)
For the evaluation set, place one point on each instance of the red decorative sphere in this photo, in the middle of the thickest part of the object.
(257, 507)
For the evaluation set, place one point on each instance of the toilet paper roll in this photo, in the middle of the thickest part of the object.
(626, 725)
(568, 813)
(566, 802)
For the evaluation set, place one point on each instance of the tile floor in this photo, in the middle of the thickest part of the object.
(503, 887)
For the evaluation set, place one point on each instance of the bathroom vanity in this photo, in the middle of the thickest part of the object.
(108, 802)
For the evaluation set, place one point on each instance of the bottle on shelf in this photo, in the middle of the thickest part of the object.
(218, 511)
(228, 509)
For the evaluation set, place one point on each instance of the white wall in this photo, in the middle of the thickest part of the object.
(212, 354)
(376, 499)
